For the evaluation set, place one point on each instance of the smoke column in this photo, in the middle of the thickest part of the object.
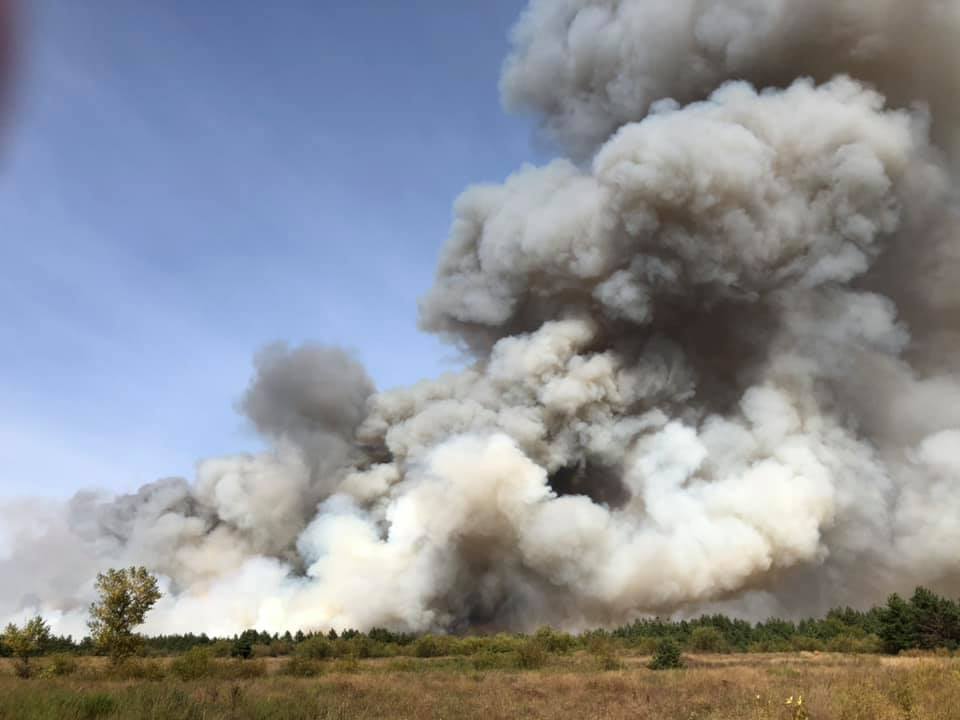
(713, 359)
(7, 33)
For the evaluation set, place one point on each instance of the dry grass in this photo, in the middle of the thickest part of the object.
(714, 687)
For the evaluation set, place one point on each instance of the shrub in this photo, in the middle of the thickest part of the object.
(802, 643)
(192, 665)
(427, 647)
(609, 661)
(62, 664)
(531, 655)
(848, 644)
(261, 650)
(316, 648)
(220, 648)
(243, 645)
(502, 643)
(485, 660)
(555, 642)
(240, 669)
(363, 647)
(281, 648)
(707, 640)
(299, 666)
(603, 648)
(667, 656)
(645, 646)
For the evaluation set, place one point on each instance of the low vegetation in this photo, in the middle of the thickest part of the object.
(715, 667)
(758, 686)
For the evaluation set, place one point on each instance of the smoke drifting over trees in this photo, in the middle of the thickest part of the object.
(714, 359)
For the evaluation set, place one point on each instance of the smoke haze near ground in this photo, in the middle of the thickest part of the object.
(713, 360)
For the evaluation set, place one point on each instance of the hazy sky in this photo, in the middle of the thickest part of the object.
(188, 180)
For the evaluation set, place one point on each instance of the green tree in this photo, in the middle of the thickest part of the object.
(898, 625)
(667, 656)
(26, 642)
(707, 639)
(316, 648)
(937, 620)
(243, 645)
(126, 596)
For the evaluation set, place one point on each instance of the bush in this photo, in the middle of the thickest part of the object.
(467, 646)
(427, 647)
(601, 645)
(243, 645)
(261, 650)
(240, 669)
(316, 648)
(645, 646)
(62, 664)
(220, 649)
(363, 647)
(667, 656)
(848, 644)
(298, 666)
(486, 660)
(281, 648)
(531, 655)
(707, 639)
(802, 643)
(502, 643)
(609, 661)
(555, 642)
(192, 665)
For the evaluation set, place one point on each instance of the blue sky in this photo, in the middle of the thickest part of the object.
(187, 181)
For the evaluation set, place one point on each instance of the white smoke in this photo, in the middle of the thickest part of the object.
(714, 359)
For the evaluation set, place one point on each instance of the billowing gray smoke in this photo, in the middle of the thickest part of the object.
(716, 358)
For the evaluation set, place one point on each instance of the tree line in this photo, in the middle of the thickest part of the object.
(925, 621)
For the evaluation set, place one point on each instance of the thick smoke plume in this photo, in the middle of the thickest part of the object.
(715, 359)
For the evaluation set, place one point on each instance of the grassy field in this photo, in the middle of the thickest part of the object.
(577, 686)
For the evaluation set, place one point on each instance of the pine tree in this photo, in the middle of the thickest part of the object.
(243, 645)
(667, 656)
(898, 626)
